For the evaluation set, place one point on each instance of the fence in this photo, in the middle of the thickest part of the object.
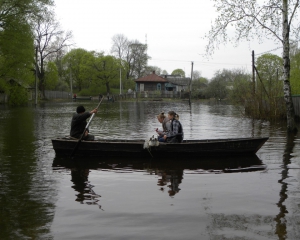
(57, 95)
(161, 94)
(149, 94)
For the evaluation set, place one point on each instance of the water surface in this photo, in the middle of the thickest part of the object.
(46, 197)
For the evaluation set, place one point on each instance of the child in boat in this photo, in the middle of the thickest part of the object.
(166, 126)
(176, 133)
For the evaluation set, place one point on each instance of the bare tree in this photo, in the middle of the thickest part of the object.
(273, 19)
(120, 46)
(196, 75)
(132, 54)
(49, 40)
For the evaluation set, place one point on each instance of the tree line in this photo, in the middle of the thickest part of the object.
(33, 46)
(270, 19)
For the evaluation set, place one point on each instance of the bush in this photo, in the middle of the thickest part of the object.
(17, 96)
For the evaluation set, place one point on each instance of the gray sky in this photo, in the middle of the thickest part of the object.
(173, 30)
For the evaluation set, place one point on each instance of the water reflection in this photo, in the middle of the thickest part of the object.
(83, 187)
(281, 228)
(26, 197)
(171, 179)
(182, 199)
(170, 172)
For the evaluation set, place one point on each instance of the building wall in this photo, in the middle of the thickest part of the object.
(151, 87)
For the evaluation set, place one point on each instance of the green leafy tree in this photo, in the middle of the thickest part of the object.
(16, 51)
(217, 87)
(273, 19)
(78, 64)
(179, 72)
(240, 86)
(227, 82)
(57, 59)
(51, 76)
(241, 92)
(269, 87)
(107, 71)
(16, 40)
(17, 95)
(295, 71)
(270, 67)
(199, 86)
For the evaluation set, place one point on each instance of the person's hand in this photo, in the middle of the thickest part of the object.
(94, 110)
(165, 137)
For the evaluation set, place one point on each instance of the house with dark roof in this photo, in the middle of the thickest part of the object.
(166, 84)
(151, 82)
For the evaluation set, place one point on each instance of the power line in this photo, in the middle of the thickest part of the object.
(208, 63)
(268, 51)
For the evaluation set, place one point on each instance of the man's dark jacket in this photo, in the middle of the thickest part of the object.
(78, 124)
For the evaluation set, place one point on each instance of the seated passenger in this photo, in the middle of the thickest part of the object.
(166, 126)
(176, 133)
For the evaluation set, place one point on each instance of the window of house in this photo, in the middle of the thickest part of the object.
(158, 86)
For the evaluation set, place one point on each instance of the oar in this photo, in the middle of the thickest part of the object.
(86, 127)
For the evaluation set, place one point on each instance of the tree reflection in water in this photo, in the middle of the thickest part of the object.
(280, 219)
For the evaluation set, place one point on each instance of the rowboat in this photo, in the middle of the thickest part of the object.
(152, 148)
(81, 98)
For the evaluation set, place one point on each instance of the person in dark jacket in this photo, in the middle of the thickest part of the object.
(176, 133)
(79, 123)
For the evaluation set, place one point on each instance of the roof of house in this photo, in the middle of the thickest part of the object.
(152, 78)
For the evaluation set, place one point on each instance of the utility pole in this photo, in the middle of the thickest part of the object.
(71, 84)
(36, 75)
(120, 81)
(253, 72)
(190, 85)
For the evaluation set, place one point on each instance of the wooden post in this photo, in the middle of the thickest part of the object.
(36, 75)
(190, 85)
(253, 72)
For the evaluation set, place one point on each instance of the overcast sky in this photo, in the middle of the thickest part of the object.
(173, 30)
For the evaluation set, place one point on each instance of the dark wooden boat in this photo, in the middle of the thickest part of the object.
(81, 98)
(141, 148)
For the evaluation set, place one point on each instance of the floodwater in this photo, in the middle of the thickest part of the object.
(46, 197)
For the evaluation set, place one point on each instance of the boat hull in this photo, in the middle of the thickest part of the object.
(135, 148)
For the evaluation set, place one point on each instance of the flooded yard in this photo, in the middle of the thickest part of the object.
(48, 197)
